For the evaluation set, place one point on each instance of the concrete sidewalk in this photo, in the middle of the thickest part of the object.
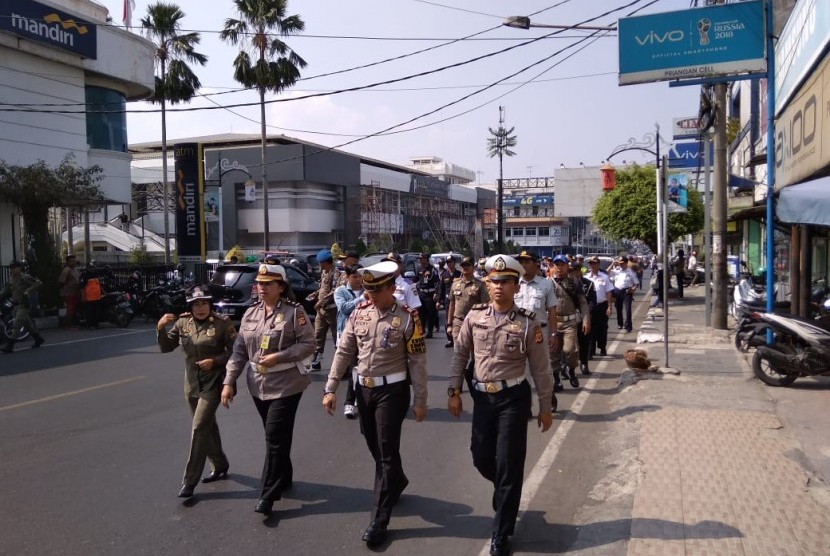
(718, 472)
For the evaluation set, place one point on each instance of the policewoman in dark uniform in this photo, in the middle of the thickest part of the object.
(502, 338)
(388, 342)
(275, 336)
(206, 339)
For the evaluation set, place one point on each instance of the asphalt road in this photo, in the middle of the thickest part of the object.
(94, 433)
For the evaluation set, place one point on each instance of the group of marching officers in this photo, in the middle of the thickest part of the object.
(512, 325)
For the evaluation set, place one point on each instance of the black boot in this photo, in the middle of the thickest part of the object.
(38, 341)
(572, 378)
(557, 383)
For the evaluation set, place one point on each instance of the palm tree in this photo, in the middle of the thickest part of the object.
(175, 81)
(275, 66)
(499, 144)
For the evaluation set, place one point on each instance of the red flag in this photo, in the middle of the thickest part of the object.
(129, 6)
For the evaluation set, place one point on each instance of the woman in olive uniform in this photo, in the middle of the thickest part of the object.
(207, 340)
(275, 336)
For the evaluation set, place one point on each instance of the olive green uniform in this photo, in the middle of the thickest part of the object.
(571, 312)
(213, 339)
(464, 294)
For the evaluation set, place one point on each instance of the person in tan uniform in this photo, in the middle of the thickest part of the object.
(571, 312)
(388, 342)
(206, 339)
(325, 321)
(502, 338)
(465, 292)
(275, 337)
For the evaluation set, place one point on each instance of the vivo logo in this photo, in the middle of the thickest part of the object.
(655, 38)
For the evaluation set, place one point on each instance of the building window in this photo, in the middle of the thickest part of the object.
(507, 232)
(544, 231)
(517, 211)
(518, 232)
(106, 119)
(534, 210)
(530, 232)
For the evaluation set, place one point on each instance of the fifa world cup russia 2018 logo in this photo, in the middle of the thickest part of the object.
(703, 27)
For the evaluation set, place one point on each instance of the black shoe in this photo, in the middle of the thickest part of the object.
(603, 352)
(264, 507)
(554, 403)
(500, 545)
(186, 491)
(627, 330)
(216, 476)
(375, 534)
(38, 342)
(429, 334)
(316, 366)
(572, 379)
(557, 387)
(584, 368)
(449, 345)
(620, 327)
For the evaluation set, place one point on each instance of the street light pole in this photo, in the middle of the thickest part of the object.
(523, 22)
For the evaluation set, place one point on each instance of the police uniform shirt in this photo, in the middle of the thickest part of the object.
(571, 297)
(384, 343)
(537, 296)
(212, 338)
(287, 332)
(467, 293)
(501, 346)
(428, 281)
(602, 285)
(405, 293)
(329, 280)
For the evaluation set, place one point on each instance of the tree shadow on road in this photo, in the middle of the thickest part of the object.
(607, 417)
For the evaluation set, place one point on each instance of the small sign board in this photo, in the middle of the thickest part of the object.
(685, 128)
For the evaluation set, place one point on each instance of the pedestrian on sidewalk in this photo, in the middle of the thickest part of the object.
(18, 288)
(207, 340)
(70, 289)
(679, 264)
(388, 343)
(598, 337)
(691, 266)
(347, 297)
(275, 337)
(657, 288)
(502, 338)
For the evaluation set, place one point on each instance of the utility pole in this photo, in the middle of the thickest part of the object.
(719, 302)
(500, 192)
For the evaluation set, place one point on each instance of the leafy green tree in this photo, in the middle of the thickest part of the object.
(175, 81)
(275, 67)
(500, 144)
(36, 188)
(629, 212)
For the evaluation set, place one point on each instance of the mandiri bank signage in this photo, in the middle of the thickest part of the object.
(725, 39)
(44, 24)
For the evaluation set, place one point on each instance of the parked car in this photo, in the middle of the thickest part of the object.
(433, 260)
(234, 290)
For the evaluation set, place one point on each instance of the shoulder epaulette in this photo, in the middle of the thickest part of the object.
(479, 306)
(409, 309)
(220, 317)
(184, 315)
(292, 303)
(364, 304)
(525, 313)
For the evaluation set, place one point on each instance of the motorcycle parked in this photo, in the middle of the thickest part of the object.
(800, 348)
(7, 309)
(115, 308)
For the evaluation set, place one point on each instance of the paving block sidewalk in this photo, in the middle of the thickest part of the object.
(714, 478)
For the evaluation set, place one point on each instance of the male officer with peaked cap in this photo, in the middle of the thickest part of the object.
(502, 338)
(405, 292)
(387, 340)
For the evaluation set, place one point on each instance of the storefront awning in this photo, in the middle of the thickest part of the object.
(748, 213)
(738, 183)
(805, 203)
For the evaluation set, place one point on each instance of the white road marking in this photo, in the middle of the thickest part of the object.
(72, 393)
(143, 331)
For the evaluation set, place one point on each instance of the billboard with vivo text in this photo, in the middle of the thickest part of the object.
(725, 39)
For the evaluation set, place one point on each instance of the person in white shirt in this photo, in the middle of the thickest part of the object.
(405, 292)
(598, 338)
(625, 283)
(691, 266)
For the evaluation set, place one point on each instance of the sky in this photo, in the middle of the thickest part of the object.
(565, 110)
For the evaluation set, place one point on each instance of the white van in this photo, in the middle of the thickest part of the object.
(433, 260)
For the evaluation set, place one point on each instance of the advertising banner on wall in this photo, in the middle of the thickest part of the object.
(189, 190)
(725, 39)
(801, 45)
(678, 191)
(38, 22)
(528, 201)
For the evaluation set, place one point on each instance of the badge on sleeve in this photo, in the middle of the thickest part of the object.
(265, 342)
(537, 336)
(301, 320)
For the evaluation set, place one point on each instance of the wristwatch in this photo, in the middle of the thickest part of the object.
(327, 391)
(453, 392)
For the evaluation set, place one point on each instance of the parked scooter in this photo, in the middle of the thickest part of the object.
(115, 308)
(7, 309)
(800, 348)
